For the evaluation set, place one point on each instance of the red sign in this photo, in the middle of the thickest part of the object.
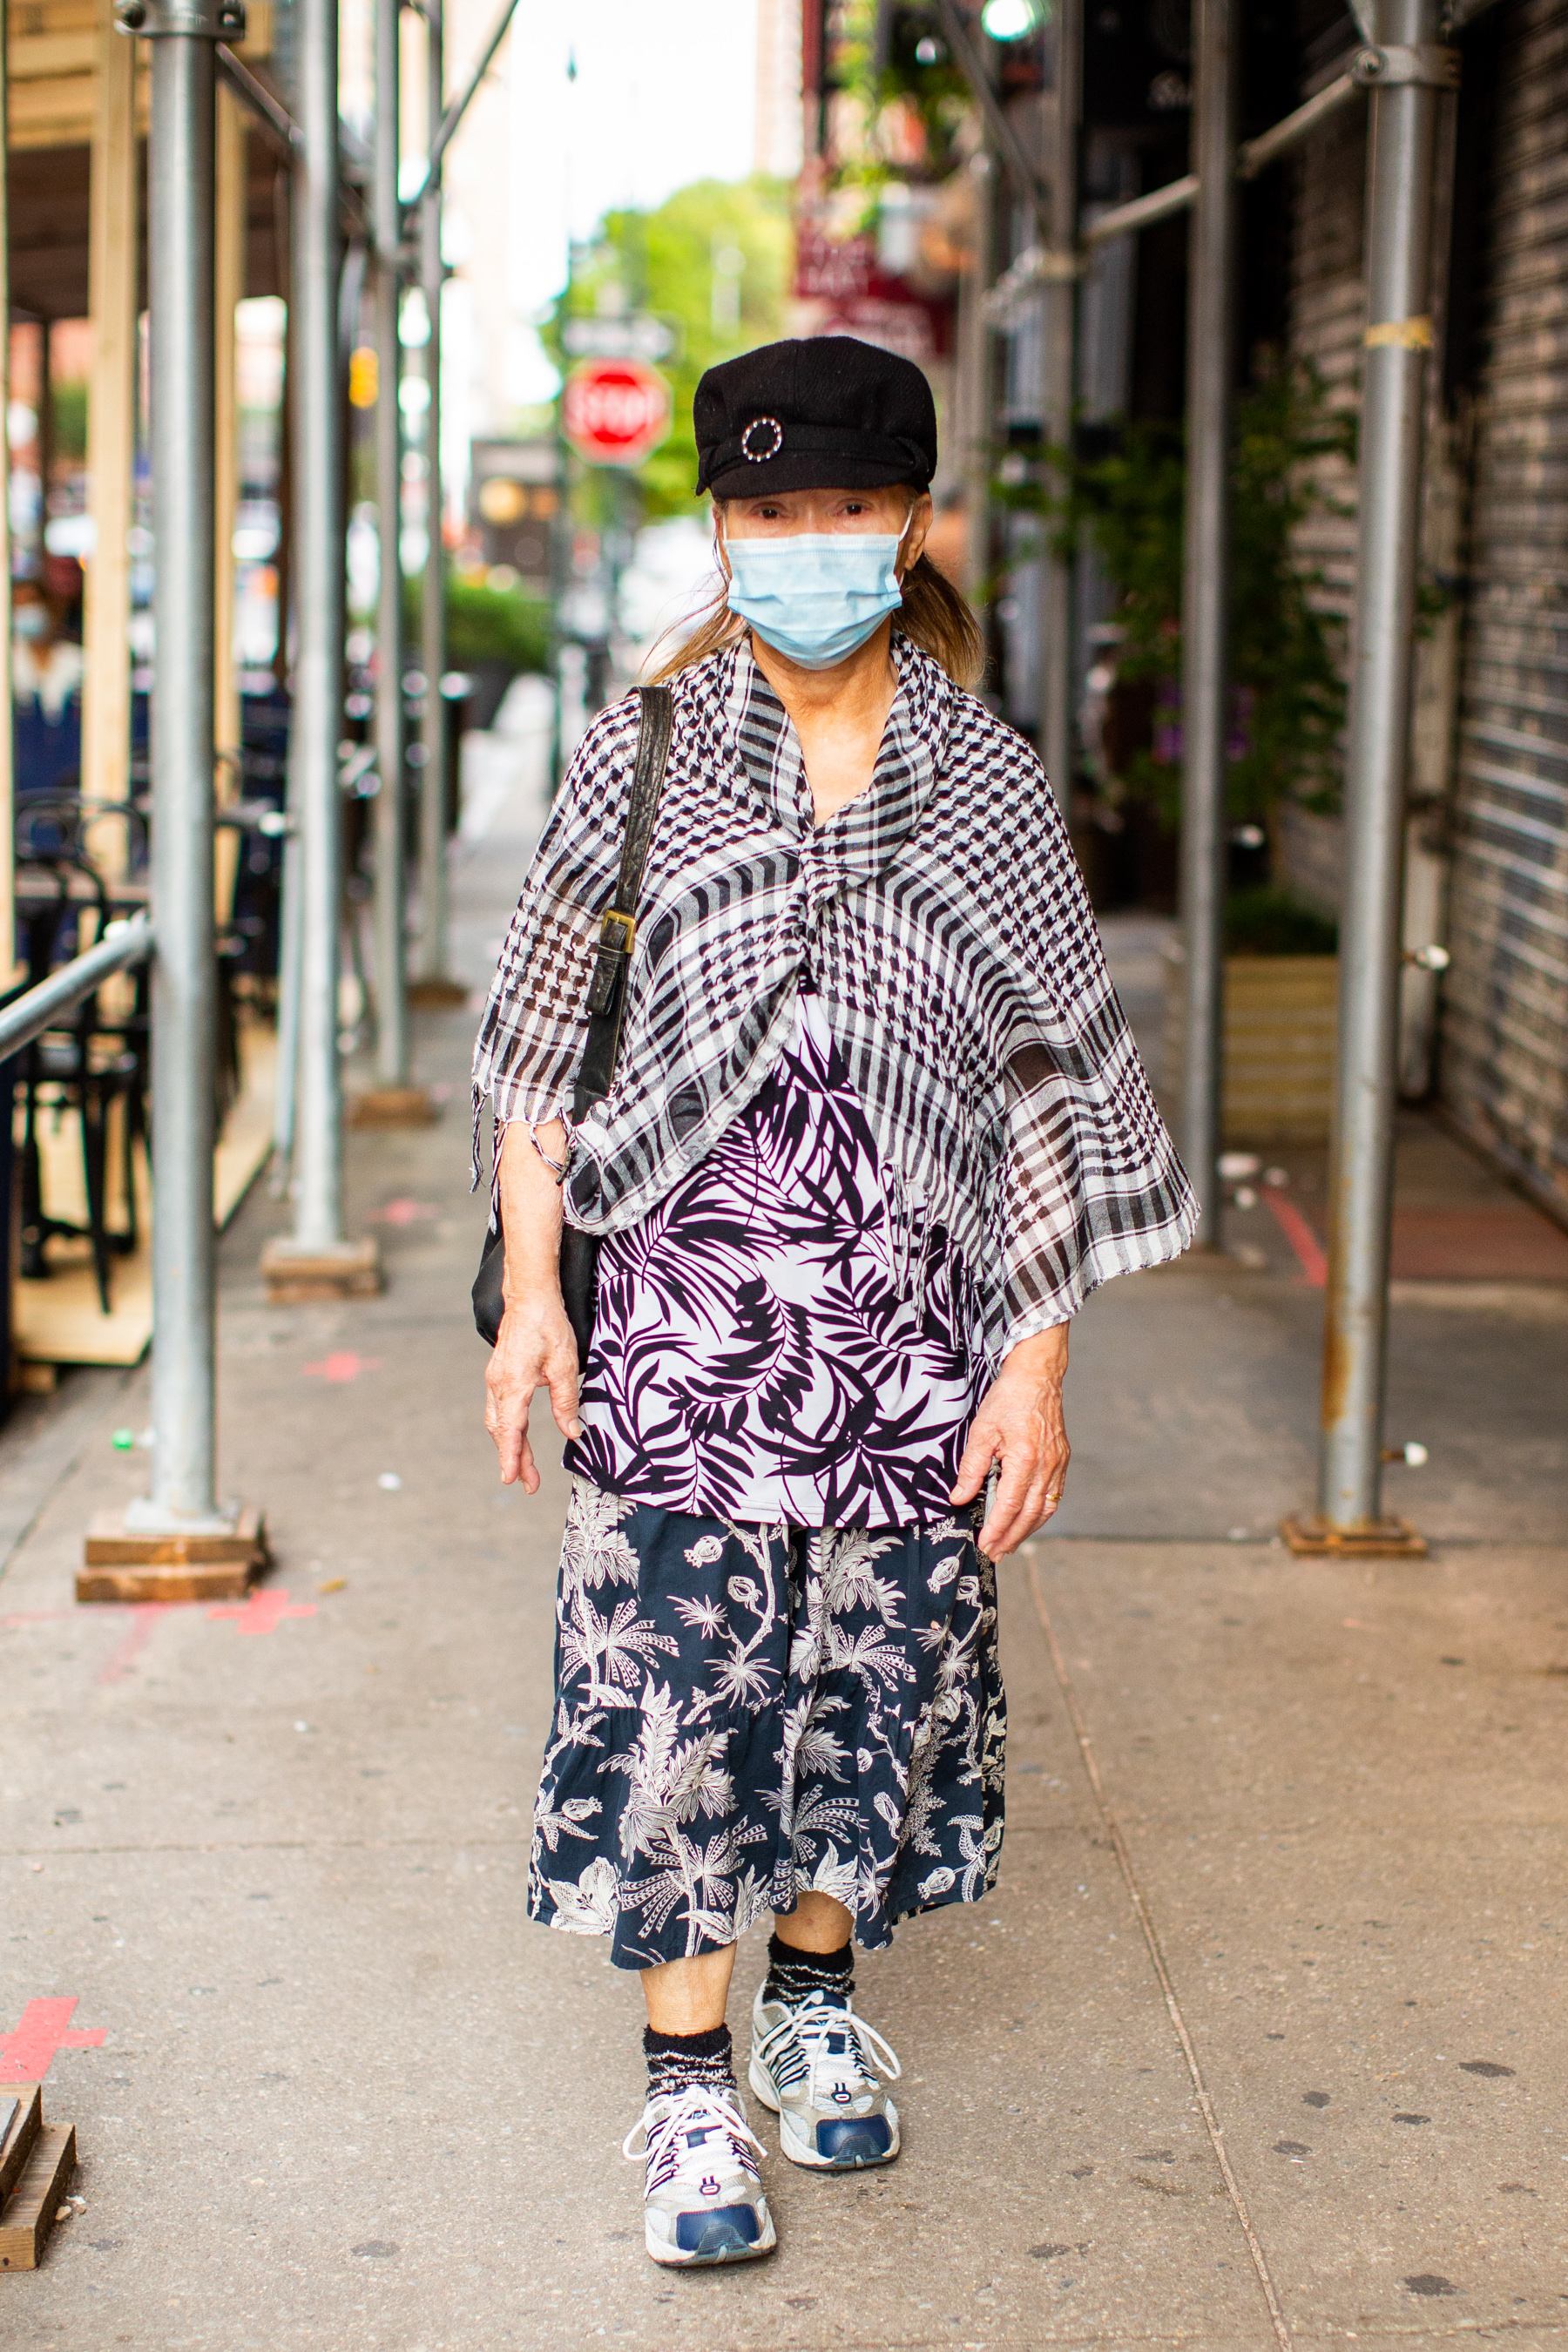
(615, 412)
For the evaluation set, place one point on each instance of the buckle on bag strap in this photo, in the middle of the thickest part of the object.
(616, 934)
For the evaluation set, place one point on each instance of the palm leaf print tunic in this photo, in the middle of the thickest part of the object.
(771, 1344)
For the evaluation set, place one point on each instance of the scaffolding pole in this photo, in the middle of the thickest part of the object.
(973, 391)
(181, 204)
(1205, 598)
(1058, 300)
(391, 919)
(1406, 71)
(316, 1261)
(114, 235)
(184, 973)
(432, 985)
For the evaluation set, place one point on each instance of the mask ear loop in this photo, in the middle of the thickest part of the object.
(909, 525)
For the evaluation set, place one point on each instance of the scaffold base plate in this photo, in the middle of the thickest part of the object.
(436, 995)
(33, 2205)
(296, 1277)
(117, 1566)
(395, 1106)
(1313, 1537)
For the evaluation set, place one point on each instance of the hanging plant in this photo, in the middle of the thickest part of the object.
(883, 58)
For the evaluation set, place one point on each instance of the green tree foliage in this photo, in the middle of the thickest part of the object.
(485, 625)
(1286, 652)
(69, 417)
(665, 261)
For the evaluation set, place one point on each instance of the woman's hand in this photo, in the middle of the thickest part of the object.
(1020, 1423)
(535, 1350)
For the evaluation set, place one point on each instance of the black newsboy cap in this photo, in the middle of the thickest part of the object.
(827, 412)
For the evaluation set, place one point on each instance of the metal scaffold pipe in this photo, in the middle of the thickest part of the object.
(316, 1261)
(1398, 336)
(391, 994)
(1058, 300)
(318, 629)
(180, 204)
(1205, 598)
(433, 602)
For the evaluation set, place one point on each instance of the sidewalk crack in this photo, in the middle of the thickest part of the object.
(1156, 1954)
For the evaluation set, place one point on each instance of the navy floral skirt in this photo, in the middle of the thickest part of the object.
(744, 1712)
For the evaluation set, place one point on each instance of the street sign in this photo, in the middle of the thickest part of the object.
(636, 335)
(615, 412)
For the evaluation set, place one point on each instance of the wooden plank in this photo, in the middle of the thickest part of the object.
(67, 121)
(36, 57)
(118, 1565)
(62, 107)
(29, 2213)
(136, 1584)
(296, 1277)
(24, 2131)
(36, 19)
(112, 427)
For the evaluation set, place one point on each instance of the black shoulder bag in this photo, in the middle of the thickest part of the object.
(606, 1010)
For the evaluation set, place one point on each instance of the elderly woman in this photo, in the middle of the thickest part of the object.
(875, 1130)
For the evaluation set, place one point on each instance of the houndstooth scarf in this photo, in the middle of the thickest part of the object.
(944, 921)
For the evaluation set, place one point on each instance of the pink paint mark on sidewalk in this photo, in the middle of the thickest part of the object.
(141, 1616)
(343, 1366)
(27, 2055)
(1309, 1249)
(404, 1212)
(265, 1610)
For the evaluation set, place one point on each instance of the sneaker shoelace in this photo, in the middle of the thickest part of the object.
(666, 2138)
(816, 2024)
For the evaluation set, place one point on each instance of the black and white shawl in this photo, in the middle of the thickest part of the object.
(944, 922)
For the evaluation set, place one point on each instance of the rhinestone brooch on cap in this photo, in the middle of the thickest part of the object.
(759, 424)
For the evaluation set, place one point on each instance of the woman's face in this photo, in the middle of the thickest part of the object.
(782, 514)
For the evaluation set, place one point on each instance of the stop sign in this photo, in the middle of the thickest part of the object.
(615, 412)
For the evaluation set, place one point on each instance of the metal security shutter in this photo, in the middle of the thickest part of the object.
(1504, 1069)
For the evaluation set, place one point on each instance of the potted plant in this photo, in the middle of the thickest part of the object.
(1121, 491)
(1281, 984)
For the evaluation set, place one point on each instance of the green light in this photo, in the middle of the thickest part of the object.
(1012, 20)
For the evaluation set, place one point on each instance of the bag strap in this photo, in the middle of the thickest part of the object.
(618, 924)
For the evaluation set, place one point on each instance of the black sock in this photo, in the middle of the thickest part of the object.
(795, 1976)
(676, 2060)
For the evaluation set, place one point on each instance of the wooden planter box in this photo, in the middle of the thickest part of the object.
(1280, 1022)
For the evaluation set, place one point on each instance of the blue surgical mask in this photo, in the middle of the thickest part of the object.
(816, 596)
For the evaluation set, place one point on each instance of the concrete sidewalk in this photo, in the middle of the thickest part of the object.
(1260, 2040)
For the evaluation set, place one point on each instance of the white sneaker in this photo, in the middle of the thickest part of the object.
(814, 2064)
(703, 2201)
